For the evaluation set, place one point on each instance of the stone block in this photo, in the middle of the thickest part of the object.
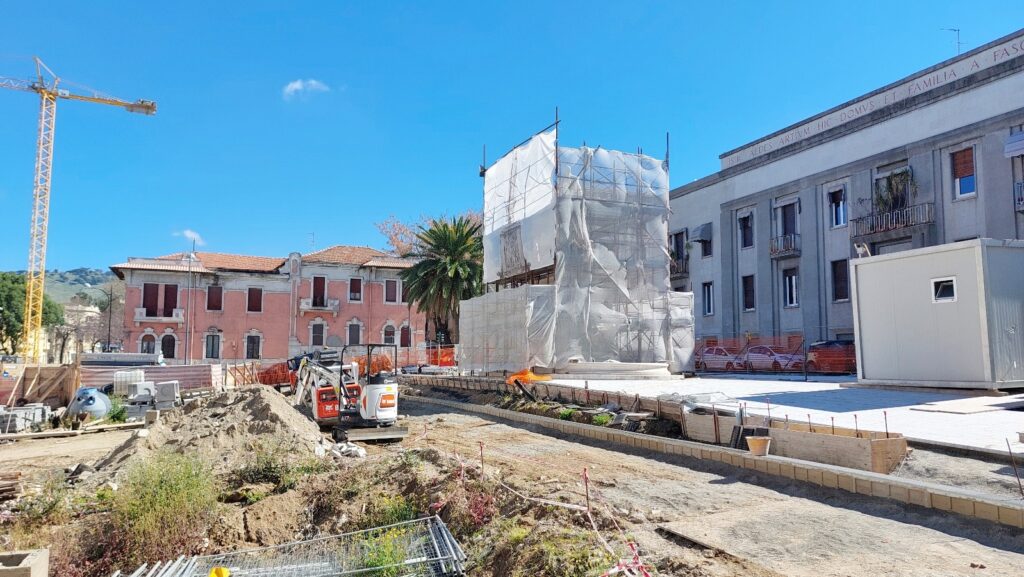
(963, 506)
(829, 479)
(846, 483)
(941, 502)
(900, 493)
(815, 476)
(919, 497)
(786, 470)
(863, 486)
(30, 563)
(986, 511)
(1011, 516)
(773, 468)
(880, 489)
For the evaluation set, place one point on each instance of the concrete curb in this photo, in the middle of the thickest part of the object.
(930, 495)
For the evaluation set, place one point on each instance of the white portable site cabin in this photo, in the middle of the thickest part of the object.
(950, 315)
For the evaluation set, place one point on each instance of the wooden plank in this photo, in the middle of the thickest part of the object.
(44, 435)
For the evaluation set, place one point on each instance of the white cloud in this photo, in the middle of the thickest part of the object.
(301, 87)
(192, 236)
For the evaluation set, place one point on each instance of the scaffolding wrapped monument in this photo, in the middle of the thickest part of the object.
(576, 248)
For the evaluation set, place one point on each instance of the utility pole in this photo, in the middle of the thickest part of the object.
(958, 43)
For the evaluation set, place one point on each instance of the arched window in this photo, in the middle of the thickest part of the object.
(167, 345)
(404, 340)
(389, 335)
(148, 345)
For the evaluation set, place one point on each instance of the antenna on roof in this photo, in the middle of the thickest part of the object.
(312, 242)
(958, 43)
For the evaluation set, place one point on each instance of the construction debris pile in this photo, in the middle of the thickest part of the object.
(221, 430)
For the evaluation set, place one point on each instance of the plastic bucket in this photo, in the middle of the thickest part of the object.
(759, 445)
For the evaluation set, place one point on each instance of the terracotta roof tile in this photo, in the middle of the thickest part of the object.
(390, 262)
(239, 262)
(341, 254)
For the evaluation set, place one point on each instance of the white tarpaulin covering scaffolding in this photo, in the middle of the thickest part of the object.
(603, 223)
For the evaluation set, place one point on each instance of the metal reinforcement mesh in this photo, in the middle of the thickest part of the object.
(420, 548)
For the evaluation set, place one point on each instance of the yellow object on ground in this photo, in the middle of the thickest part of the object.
(526, 376)
(220, 572)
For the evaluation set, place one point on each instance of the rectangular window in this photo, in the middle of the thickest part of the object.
(390, 291)
(404, 337)
(317, 338)
(705, 248)
(212, 346)
(150, 295)
(679, 244)
(405, 292)
(837, 207)
(840, 280)
(353, 334)
(788, 219)
(790, 287)
(254, 303)
(170, 299)
(319, 291)
(252, 346)
(214, 298)
(944, 290)
(748, 293)
(708, 294)
(355, 289)
(892, 190)
(963, 173)
(746, 224)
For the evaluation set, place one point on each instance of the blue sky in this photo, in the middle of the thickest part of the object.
(405, 96)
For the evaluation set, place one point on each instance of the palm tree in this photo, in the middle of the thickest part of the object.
(449, 269)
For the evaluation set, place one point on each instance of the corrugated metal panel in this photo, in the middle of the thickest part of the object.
(191, 377)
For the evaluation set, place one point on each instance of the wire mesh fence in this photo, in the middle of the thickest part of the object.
(790, 353)
(420, 548)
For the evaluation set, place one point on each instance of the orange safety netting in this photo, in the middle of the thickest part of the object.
(526, 376)
(276, 374)
(378, 364)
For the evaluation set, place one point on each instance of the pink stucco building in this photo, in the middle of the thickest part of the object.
(233, 307)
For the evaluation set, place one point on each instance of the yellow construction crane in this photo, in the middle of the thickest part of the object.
(46, 85)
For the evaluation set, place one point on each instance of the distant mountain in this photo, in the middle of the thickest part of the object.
(62, 285)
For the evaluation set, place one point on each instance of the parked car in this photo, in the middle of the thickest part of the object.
(839, 356)
(717, 359)
(768, 358)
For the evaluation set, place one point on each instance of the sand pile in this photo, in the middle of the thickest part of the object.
(223, 430)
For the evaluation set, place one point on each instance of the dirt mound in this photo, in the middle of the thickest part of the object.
(223, 430)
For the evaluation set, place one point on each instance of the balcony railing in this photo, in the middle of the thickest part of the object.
(1018, 196)
(679, 268)
(324, 305)
(894, 219)
(177, 316)
(784, 246)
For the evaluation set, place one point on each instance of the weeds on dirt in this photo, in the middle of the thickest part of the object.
(118, 412)
(601, 419)
(388, 510)
(269, 463)
(566, 414)
(165, 504)
(386, 553)
(52, 506)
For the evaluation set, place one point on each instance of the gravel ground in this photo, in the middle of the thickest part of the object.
(764, 525)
